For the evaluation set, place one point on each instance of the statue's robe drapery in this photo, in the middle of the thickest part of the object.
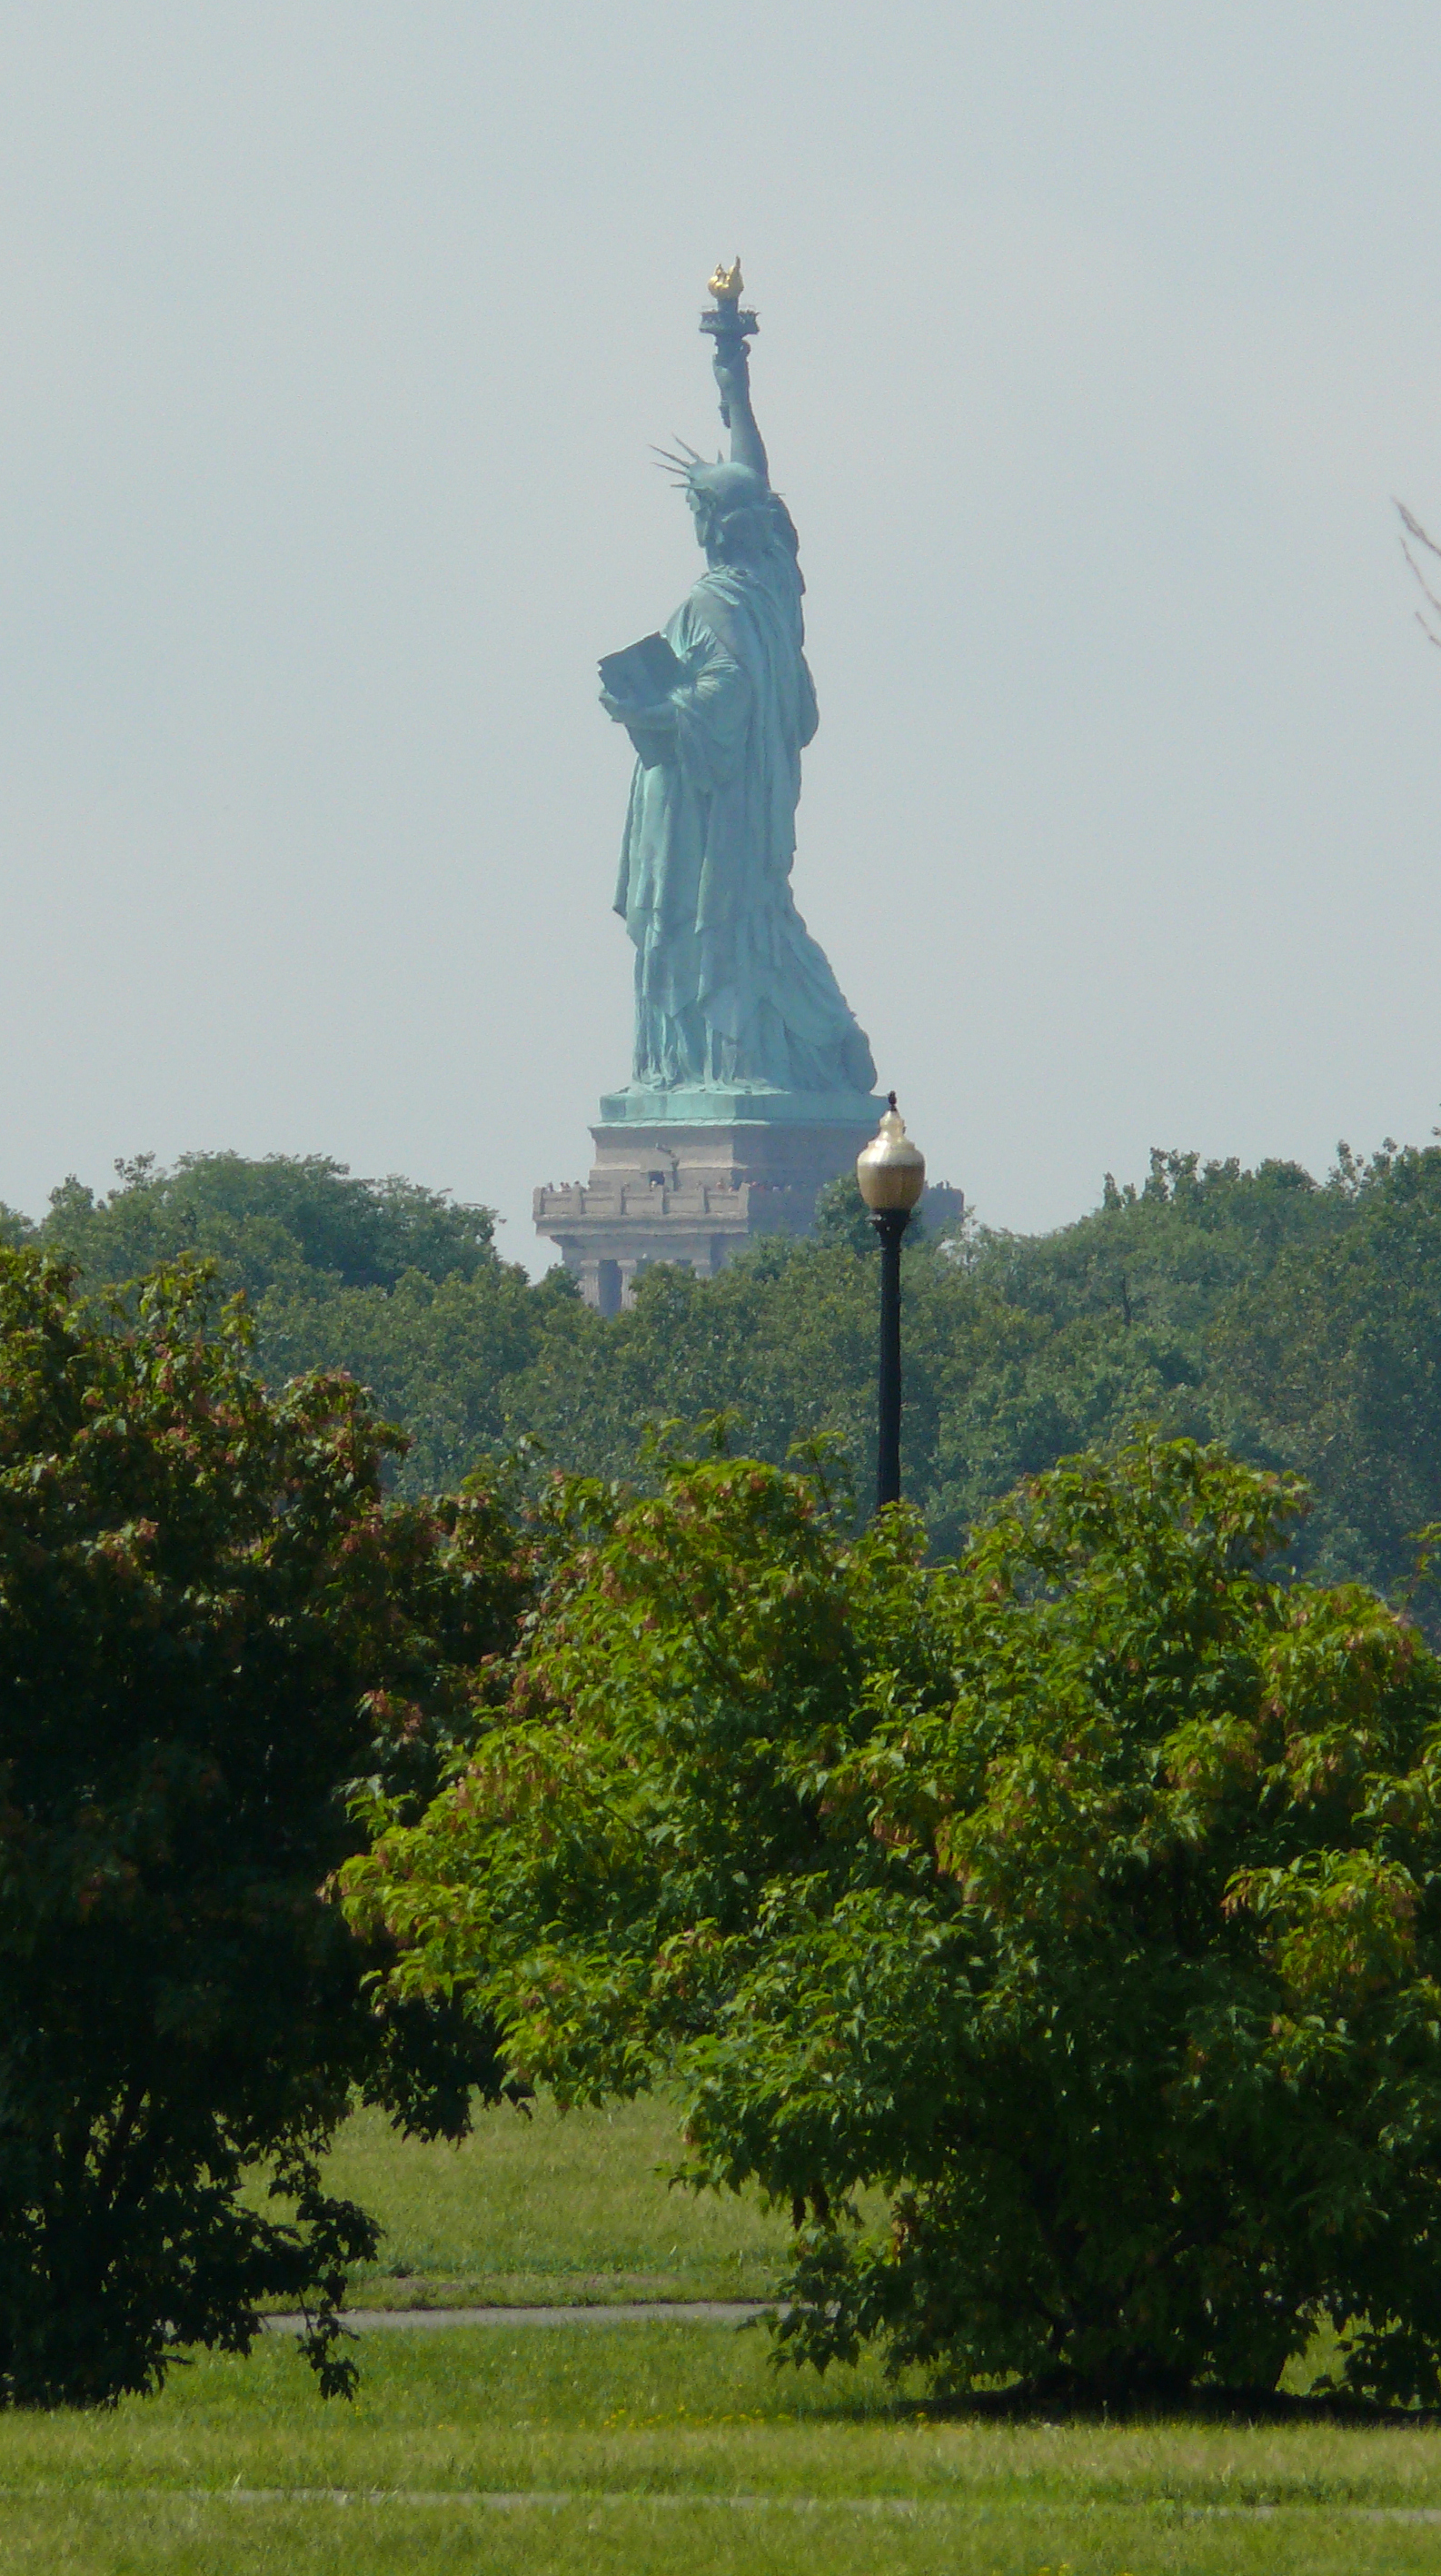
(730, 986)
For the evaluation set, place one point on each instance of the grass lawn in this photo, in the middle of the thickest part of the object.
(657, 2450)
(542, 2208)
(662, 2449)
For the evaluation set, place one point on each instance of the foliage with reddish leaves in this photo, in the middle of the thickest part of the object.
(212, 1626)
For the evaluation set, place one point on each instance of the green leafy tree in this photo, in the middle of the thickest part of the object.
(783, 1340)
(842, 1217)
(1111, 1322)
(1080, 1896)
(1332, 1361)
(211, 1625)
(259, 1220)
(444, 1357)
(385, 1279)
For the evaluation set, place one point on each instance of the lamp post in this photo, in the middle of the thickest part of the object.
(891, 1173)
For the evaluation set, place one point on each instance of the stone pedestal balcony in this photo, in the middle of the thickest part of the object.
(685, 1188)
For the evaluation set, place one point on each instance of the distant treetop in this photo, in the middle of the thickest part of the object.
(260, 1220)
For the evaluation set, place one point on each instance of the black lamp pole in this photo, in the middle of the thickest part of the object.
(890, 1225)
(891, 1174)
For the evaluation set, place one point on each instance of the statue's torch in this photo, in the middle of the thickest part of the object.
(728, 324)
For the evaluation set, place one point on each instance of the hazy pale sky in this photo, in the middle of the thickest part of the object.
(1095, 339)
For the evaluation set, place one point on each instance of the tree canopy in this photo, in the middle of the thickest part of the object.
(267, 1220)
(1079, 1896)
(212, 1625)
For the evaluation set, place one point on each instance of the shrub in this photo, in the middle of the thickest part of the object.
(1080, 1895)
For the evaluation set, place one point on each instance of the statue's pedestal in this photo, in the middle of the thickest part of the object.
(687, 1176)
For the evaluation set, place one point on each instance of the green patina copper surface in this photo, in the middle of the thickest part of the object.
(699, 1104)
(738, 1014)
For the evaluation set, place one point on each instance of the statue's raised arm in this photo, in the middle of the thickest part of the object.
(730, 329)
(733, 375)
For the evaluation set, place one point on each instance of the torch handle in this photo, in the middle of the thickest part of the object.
(730, 328)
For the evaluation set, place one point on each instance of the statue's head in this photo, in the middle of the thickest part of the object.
(736, 514)
(731, 508)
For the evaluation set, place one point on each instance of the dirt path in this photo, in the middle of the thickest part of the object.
(625, 2312)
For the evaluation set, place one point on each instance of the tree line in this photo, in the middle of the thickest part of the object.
(1297, 1320)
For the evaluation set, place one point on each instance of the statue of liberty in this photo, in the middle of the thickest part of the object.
(731, 991)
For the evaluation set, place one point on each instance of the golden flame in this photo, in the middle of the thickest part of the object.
(728, 285)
